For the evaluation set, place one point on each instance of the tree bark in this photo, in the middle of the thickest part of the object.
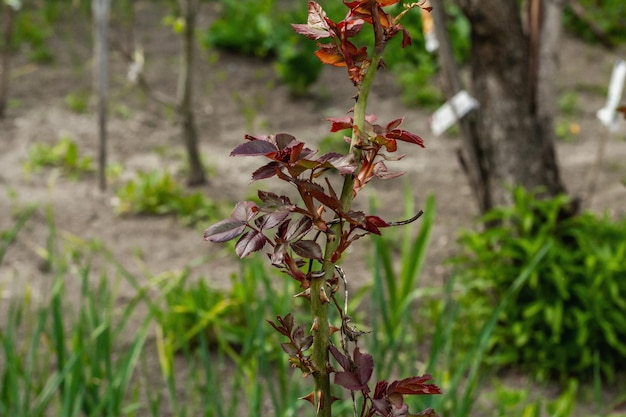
(514, 124)
(101, 10)
(8, 17)
(196, 175)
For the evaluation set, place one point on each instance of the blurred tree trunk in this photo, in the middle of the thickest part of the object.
(513, 68)
(196, 176)
(101, 10)
(7, 18)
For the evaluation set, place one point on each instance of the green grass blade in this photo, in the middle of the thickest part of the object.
(9, 237)
(474, 358)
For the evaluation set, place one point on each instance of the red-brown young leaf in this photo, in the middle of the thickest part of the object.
(280, 328)
(285, 324)
(340, 123)
(373, 223)
(365, 365)
(224, 230)
(385, 3)
(406, 38)
(271, 220)
(266, 171)
(255, 147)
(394, 124)
(317, 26)
(244, 211)
(307, 249)
(348, 380)
(380, 171)
(330, 54)
(342, 359)
(428, 412)
(250, 242)
(405, 136)
(289, 348)
(417, 385)
(273, 200)
(283, 140)
(299, 228)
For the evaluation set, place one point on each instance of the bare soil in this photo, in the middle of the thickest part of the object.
(237, 95)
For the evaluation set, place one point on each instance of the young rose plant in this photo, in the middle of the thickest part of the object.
(306, 238)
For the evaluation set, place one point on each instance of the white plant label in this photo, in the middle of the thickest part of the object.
(608, 114)
(447, 115)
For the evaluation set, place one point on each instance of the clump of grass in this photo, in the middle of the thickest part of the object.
(64, 155)
(156, 193)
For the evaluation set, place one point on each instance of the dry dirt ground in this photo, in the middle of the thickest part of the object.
(235, 95)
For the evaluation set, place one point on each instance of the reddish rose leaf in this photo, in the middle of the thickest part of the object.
(289, 348)
(340, 123)
(385, 3)
(373, 223)
(280, 328)
(224, 230)
(317, 25)
(380, 171)
(428, 412)
(416, 385)
(345, 164)
(365, 365)
(394, 124)
(340, 357)
(349, 381)
(405, 136)
(273, 200)
(254, 148)
(244, 211)
(307, 249)
(330, 54)
(250, 242)
(306, 343)
(266, 171)
(406, 38)
(268, 221)
(376, 221)
(299, 228)
(283, 140)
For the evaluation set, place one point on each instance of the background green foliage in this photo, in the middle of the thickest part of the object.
(608, 15)
(157, 193)
(262, 29)
(64, 155)
(569, 317)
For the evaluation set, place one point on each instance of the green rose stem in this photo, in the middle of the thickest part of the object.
(319, 308)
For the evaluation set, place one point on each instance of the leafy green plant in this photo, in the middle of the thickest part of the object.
(568, 318)
(246, 27)
(31, 32)
(64, 154)
(607, 15)
(78, 101)
(157, 193)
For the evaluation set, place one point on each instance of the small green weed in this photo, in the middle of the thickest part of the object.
(78, 102)
(569, 314)
(64, 155)
(156, 193)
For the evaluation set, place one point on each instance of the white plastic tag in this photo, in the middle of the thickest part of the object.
(460, 104)
(608, 114)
